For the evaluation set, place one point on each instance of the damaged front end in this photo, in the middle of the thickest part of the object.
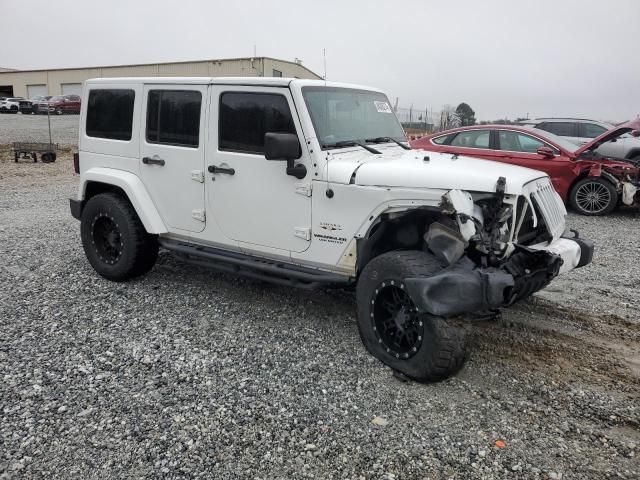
(504, 249)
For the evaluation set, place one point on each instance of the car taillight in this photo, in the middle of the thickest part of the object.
(76, 162)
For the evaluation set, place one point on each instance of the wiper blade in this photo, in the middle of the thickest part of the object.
(387, 139)
(351, 143)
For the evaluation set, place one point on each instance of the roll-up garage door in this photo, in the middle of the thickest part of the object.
(36, 90)
(71, 89)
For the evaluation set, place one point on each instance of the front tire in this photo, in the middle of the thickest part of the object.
(423, 347)
(593, 196)
(114, 239)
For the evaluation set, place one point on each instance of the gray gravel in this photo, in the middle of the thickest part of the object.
(186, 373)
(34, 128)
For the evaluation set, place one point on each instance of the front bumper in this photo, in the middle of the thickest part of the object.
(464, 287)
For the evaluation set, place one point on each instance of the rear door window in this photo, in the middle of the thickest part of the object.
(471, 139)
(562, 129)
(173, 117)
(110, 114)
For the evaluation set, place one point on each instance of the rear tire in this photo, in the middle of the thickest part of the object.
(593, 196)
(423, 347)
(114, 239)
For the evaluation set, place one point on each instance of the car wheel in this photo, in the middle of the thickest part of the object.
(14, 109)
(58, 111)
(114, 239)
(421, 346)
(593, 196)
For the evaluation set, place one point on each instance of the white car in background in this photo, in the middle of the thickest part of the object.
(581, 131)
(15, 105)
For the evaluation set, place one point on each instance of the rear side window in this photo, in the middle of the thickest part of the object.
(173, 117)
(110, 114)
(246, 117)
(562, 129)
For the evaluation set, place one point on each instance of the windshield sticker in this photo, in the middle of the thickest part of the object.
(382, 107)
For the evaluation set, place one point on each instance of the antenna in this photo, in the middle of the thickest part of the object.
(324, 58)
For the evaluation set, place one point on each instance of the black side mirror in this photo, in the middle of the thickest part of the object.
(285, 147)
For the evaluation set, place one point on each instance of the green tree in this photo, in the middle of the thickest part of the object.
(466, 114)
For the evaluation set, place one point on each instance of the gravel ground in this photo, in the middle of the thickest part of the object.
(34, 128)
(186, 373)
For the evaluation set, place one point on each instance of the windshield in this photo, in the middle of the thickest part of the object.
(560, 141)
(344, 115)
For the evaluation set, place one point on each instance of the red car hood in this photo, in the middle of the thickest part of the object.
(609, 135)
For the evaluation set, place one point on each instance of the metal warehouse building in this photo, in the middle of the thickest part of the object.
(64, 81)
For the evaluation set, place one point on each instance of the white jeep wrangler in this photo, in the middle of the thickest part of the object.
(311, 184)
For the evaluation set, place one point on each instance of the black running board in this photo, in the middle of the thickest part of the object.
(257, 268)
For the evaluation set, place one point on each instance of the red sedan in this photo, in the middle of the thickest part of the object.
(590, 183)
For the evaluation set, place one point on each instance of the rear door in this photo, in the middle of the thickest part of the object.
(172, 148)
(568, 130)
(473, 143)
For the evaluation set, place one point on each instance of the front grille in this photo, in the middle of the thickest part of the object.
(550, 205)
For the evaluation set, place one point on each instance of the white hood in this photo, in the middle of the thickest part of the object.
(409, 169)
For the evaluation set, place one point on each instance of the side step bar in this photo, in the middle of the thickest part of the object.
(253, 267)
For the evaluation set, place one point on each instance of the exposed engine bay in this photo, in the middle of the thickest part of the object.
(495, 248)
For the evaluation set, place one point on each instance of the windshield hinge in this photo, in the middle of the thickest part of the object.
(303, 189)
(302, 232)
(199, 214)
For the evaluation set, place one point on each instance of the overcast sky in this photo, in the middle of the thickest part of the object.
(505, 58)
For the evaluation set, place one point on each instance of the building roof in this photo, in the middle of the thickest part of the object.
(220, 60)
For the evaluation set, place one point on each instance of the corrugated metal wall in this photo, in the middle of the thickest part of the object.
(241, 67)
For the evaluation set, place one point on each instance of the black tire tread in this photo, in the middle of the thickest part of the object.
(450, 354)
(144, 246)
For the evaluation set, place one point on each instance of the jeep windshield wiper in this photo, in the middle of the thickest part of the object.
(387, 139)
(351, 143)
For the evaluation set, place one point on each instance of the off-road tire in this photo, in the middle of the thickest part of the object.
(599, 184)
(138, 249)
(441, 352)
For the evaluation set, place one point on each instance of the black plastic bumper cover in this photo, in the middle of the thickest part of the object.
(76, 207)
(465, 288)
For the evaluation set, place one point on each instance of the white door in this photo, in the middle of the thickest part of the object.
(71, 89)
(36, 90)
(172, 146)
(258, 203)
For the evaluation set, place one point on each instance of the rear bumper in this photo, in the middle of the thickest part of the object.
(76, 207)
(465, 288)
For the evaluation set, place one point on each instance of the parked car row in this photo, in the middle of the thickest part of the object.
(58, 104)
(586, 172)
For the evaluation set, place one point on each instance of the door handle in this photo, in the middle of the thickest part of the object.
(153, 161)
(216, 169)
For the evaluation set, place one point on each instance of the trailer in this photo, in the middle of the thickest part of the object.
(47, 151)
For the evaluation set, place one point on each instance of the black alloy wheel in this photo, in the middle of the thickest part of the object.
(396, 320)
(107, 238)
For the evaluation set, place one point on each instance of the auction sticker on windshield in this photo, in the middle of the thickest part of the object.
(382, 107)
